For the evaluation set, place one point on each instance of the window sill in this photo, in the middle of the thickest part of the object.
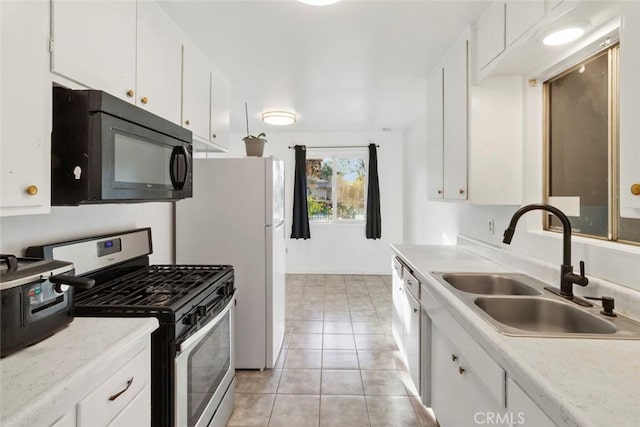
(339, 223)
(586, 241)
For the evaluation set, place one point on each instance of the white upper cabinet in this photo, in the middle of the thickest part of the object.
(25, 103)
(196, 92)
(206, 95)
(220, 117)
(130, 50)
(159, 63)
(521, 16)
(490, 35)
(629, 108)
(495, 141)
(435, 112)
(474, 133)
(94, 44)
(455, 121)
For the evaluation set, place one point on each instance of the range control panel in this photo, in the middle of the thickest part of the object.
(108, 247)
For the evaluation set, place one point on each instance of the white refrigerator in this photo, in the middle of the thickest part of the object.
(236, 217)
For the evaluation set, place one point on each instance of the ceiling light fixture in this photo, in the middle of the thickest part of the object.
(565, 34)
(319, 2)
(279, 118)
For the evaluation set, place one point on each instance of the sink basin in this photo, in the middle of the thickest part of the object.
(489, 284)
(543, 316)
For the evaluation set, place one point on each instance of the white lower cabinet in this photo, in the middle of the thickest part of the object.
(124, 398)
(137, 412)
(462, 383)
(522, 410)
(458, 395)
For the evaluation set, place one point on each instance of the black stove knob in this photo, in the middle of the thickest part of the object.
(190, 319)
(202, 310)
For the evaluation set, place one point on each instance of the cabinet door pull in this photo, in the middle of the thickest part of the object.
(144, 100)
(461, 370)
(415, 310)
(461, 191)
(117, 395)
(454, 357)
(635, 189)
(130, 93)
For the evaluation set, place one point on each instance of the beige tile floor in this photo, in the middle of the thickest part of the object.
(339, 365)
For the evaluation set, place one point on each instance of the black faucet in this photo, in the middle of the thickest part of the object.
(567, 276)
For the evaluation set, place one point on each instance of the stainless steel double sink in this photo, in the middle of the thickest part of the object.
(518, 305)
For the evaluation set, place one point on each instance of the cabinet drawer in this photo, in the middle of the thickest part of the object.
(411, 283)
(488, 372)
(112, 396)
(137, 412)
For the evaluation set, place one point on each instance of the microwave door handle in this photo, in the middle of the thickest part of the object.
(178, 182)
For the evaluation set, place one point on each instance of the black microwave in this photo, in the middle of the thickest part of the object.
(105, 150)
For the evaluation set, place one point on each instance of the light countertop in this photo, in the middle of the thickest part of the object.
(577, 382)
(40, 377)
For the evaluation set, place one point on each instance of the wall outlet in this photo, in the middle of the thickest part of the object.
(492, 227)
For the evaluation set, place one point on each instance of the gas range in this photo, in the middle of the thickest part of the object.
(194, 305)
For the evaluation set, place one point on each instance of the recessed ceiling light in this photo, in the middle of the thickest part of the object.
(319, 2)
(279, 118)
(564, 35)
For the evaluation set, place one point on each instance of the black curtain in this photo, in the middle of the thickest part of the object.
(374, 221)
(300, 223)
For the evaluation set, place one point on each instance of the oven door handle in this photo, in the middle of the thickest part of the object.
(193, 339)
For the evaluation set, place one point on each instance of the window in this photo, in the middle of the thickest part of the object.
(336, 188)
(582, 148)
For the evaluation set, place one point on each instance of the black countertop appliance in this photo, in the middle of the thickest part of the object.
(37, 299)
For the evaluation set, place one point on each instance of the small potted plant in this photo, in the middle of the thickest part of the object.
(254, 145)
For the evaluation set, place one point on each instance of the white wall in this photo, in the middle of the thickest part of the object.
(66, 223)
(425, 222)
(436, 222)
(341, 248)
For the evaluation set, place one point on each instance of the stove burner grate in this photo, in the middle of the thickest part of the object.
(155, 286)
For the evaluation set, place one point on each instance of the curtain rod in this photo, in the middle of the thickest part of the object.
(335, 146)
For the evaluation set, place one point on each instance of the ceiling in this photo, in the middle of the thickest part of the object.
(353, 66)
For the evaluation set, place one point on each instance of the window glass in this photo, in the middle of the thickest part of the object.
(320, 189)
(336, 187)
(579, 143)
(583, 147)
(350, 184)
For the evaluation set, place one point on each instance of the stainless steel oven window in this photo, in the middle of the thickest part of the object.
(207, 365)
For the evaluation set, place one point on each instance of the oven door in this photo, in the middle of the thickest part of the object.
(205, 371)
